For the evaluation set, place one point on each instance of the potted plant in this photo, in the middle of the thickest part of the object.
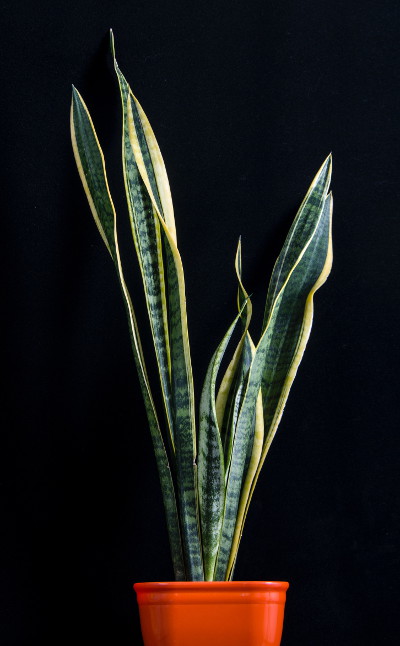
(207, 473)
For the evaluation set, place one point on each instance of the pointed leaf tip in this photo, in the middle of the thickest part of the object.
(328, 163)
(112, 43)
(76, 97)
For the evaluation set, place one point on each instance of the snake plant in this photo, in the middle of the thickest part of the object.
(207, 472)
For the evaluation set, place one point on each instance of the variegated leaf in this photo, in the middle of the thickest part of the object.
(148, 244)
(277, 357)
(167, 308)
(232, 385)
(211, 472)
(91, 166)
(299, 233)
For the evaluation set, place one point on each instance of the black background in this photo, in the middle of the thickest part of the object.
(246, 99)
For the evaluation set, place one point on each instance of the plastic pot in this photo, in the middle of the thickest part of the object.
(218, 613)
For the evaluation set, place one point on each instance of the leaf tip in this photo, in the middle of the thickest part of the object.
(112, 42)
(326, 171)
(75, 95)
(328, 160)
(238, 258)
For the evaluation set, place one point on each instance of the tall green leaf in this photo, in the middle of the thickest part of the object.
(91, 166)
(166, 305)
(147, 238)
(211, 471)
(254, 451)
(278, 355)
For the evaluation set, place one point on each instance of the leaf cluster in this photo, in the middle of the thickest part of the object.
(208, 474)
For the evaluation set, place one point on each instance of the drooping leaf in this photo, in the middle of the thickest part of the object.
(91, 166)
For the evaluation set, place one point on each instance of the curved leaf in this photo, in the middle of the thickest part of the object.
(276, 359)
(91, 166)
(167, 309)
(232, 386)
(277, 404)
(299, 232)
(291, 319)
(211, 471)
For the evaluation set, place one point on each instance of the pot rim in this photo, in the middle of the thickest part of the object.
(208, 585)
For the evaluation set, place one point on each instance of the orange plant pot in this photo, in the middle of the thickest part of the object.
(218, 613)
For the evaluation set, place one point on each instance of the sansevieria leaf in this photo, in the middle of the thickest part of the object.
(155, 241)
(232, 386)
(148, 244)
(279, 352)
(256, 439)
(289, 322)
(252, 462)
(211, 471)
(299, 232)
(284, 382)
(301, 229)
(91, 166)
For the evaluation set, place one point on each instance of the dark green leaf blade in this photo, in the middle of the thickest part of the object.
(211, 471)
(299, 232)
(291, 318)
(179, 398)
(184, 412)
(278, 354)
(147, 239)
(91, 166)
